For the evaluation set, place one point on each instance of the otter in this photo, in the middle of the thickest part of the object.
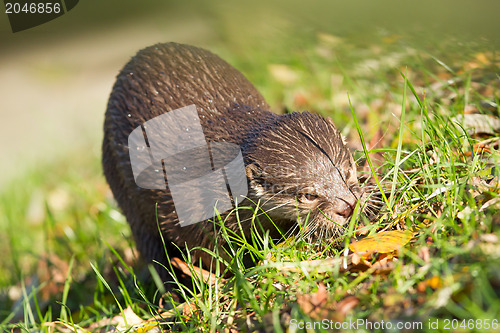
(297, 165)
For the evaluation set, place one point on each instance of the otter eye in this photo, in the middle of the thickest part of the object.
(307, 197)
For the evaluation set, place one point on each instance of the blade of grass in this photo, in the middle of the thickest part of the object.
(28, 312)
(107, 286)
(63, 315)
(365, 150)
(400, 144)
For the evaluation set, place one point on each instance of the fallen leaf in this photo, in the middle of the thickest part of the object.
(478, 123)
(492, 203)
(314, 304)
(383, 265)
(320, 305)
(207, 277)
(382, 242)
(53, 271)
(347, 304)
(470, 109)
(488, 238)
(127, 319)
(424, 254)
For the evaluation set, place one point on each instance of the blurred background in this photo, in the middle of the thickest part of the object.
(55, 78)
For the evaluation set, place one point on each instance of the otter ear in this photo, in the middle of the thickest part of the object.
(252, 171)
(254, 174)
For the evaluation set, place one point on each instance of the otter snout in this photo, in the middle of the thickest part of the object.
(345, 207)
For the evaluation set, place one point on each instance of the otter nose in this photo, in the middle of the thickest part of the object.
(344, 208)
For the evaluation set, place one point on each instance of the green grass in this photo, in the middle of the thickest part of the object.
(69, 260)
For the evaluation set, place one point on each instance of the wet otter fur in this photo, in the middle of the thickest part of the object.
(296, 164)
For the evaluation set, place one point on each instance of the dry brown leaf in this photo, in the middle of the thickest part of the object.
(188, 309)
(184, 268)
(470, 109)
(384, 264)
(424, 254)
(347, 304)
(314, 304)
(53, 271)
(481, 148)
(320, 305)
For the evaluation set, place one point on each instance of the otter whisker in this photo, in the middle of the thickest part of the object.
(291, 231)
(265, 211)
(273, 196)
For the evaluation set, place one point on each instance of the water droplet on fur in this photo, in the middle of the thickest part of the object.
(129, 115)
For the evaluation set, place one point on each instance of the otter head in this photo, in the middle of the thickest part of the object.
(300, 169)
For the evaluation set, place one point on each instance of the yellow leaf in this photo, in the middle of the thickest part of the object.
(151, 327)
(382, 242)
(435, 282)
